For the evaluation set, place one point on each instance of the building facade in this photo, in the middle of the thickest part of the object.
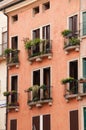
(46, 61)
(3, 70)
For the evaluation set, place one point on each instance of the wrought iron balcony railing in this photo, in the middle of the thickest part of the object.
(38, 94)
(12, 57)
(43, 49)
(75, 89)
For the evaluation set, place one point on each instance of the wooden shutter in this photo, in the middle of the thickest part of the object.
(46, 122)
(84, 112)
(84, 73)
(13, 124)
(73, 24)
(74, 120)
(84, 23)
(36, 123)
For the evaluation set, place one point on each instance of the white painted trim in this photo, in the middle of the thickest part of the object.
(20, 5)
(41, 122)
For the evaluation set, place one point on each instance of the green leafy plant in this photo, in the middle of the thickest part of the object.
(29, 43)
(67, 80)
(7, 93)
(74, 41)
(66, 33)
(8, 50)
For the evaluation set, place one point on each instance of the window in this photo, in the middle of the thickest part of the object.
(13, 124)
(46, 6)
(73, 25)
(36, 10)
(14, 87)
(41, 122)
(84, 23)
(40, 77)
(46, 32)
(3, 46)
(74, 120)
(73, 72)
(15, 18)
(14, 42)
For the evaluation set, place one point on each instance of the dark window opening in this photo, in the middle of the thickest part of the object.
(14, 87)
(13, 124)
(36, 48)
(46, 6)
(14, 42)
(36, 81)
(73, 72)
(36, 10)
(36, 77)
(46, 82)
(15, 18)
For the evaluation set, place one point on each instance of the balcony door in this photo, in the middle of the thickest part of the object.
(73, 72)
(14, 87)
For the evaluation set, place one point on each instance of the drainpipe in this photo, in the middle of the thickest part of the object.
(7, 68)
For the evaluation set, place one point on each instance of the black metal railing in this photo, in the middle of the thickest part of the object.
(43, 93)
(12, 57)
(41, 48)
(75, 87)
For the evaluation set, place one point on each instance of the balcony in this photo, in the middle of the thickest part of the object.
(71, 41)
(2, 49)
(12, 97)
(12, 57)
(39, 49)
(39, 95)
(74, 89)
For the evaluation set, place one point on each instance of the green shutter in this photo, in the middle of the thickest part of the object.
(84, 23)
(84, 74)
(84, 111)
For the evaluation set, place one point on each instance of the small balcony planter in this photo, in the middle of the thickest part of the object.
(7, 51)
(7, 93)
(67, 80)
(67, 33)
(28, 43)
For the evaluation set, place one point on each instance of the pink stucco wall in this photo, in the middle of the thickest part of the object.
(56, 16)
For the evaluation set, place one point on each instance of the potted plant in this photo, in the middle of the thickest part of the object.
(66, 33)
(7, 93)
(13, 92)
(7, 51)
(74, 41)
(67, 80)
